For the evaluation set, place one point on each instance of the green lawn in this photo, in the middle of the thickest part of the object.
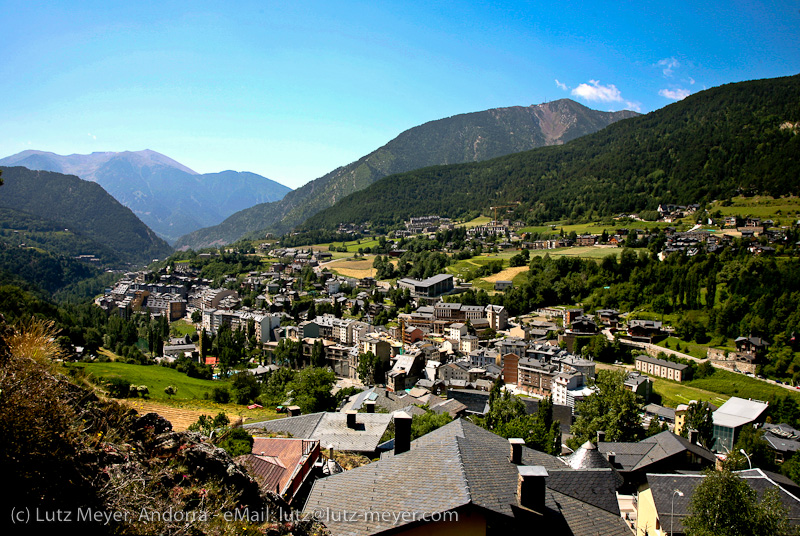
(155, 377)
(718, 388)
(183, 327)
(787, 208)
(520, 278)
(586, 252)
(480, 220)
(462, 267)
(735, 384)
(352, 246)
(674, 393)
(481, 283)
(699, 351)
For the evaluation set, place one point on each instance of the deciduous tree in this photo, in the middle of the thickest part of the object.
(725, 505)
(612, 409)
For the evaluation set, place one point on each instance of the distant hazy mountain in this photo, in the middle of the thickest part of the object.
(462, 138)
(169, 197)
(68, 216)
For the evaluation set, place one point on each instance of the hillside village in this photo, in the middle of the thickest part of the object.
(446, 357)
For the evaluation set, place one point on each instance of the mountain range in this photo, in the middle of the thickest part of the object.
(169, 197)
(467, 137)
(729, 140)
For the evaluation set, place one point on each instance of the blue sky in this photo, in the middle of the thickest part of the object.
(293, 89)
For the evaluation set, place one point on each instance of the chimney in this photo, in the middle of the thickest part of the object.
(351, 418)
(402, 432)
(694, 435)
(370, 405)
(601, 436)
(531, 486)
(612, 457)
(330, 451)
(516, 449)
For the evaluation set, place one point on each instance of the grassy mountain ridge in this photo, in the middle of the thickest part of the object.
(735, 138)
(168, 196)
(462, 138)
(83, 208)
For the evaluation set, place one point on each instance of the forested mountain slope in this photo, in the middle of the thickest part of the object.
(462, 138)
(739, 137)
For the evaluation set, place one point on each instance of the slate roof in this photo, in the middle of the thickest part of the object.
(627, 455)
(637, 456)
(388, 400)
(782, 437)
(331, 429)
(451, 406)
(476, 401)
(661, 411)
(411, 410)
(587, 457)
(302, 426)
(663, 487)
(463, 467)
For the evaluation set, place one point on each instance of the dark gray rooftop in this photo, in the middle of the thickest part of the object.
(331, 429)
(782, 437)
(637, 456)
(459, 466)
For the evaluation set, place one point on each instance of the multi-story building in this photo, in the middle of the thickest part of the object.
(497, 316)
(731, 417)
(428, 288)
(529, 375)
(264, 324)
(448, 311)
(661, 368)
(569, 388)
(482, 357)
(211, 298)
(456, 331)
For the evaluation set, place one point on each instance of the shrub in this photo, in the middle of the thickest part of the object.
(221, 395)
(237, 442)
(119, 388)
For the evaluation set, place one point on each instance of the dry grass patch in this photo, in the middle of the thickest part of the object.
(506, 275)
(180, 418)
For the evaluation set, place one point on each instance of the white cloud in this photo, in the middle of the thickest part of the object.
(594, 91)
(691, 80)
(674, 94)
(561, 86)
(91, 135)
(669, 65)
